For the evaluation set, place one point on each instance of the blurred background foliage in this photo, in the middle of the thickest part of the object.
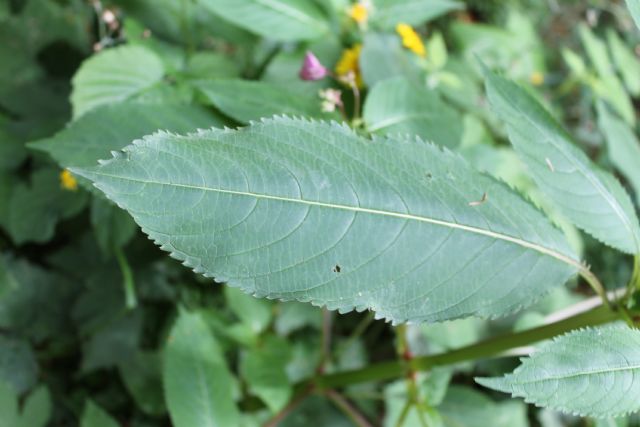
(88, 306)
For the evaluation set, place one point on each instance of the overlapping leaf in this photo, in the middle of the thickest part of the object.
(395, 106)
(588, 196)
(292, 209)
(114, 76)
(634, 8)
(286, 20)
(591, 372)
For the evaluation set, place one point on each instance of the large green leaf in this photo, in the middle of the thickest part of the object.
(623, 146)
(8, 406)
(18, 364)
(587, 372)
(396, 106)
(246, 100)
(286, 209)
(285, 20)
(591, 198)
(113, 76)
(389, 13)
(197, 382)
(466, 407)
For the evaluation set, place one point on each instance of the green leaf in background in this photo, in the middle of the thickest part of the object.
(93, 136)
(611, 87)
(142, 376)
(37, 207)
(396, 106)
(622, 144)
(254, 313)
(466, 407)
(284, 209)
(590, 372)
(37, 409)
(245, 100)
(634, 8)
(284, 20)
(388, 13)
(18, 364)
(8, 406)
(112, 226)
(264, 370)
(197, 383)
(626, 62)
(95, 416)
(383, 57)
(113, 76)
(591, 198)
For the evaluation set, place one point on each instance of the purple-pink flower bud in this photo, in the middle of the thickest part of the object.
(312, 69)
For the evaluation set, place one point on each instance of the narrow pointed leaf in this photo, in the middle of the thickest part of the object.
(588, 196)
(623, 146)
(592, 372)
(292, 209)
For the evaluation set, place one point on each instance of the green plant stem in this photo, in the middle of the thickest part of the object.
(484, 349)
(131, 301)
(595, 284)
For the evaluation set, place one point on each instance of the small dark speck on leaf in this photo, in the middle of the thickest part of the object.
(337, 269)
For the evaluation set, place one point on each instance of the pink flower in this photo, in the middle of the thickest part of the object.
(312, 69)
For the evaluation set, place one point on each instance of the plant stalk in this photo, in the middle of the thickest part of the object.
(482, 350)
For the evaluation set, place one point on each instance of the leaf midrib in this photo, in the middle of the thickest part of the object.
(536, 247)
(582, 373)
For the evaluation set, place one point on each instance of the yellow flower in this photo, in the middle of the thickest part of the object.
(359, 13)
(536, 78)
(68, 181)
(411, 40)
(349, 63)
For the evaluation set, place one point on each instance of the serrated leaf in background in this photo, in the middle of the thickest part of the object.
(590, 372)
(113, 76)
(623, 146)
(197, 383)
(588, 196)
(284, 184)
(397, 107)
(611, 87)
